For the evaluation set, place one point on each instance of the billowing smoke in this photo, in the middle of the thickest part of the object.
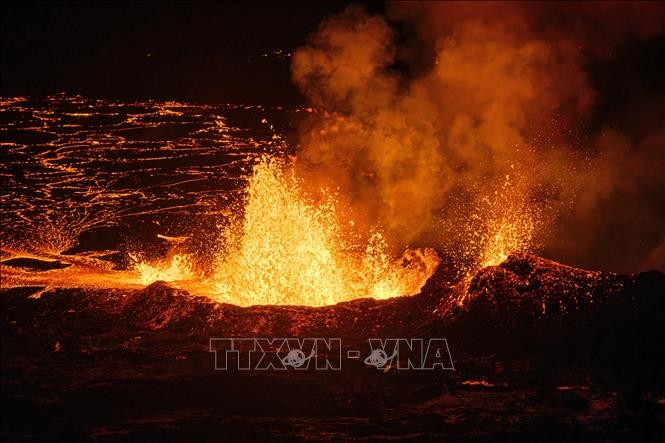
(442, 118)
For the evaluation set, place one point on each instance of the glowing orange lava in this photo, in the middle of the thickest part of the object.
(288, 250)
(511, 231)
(504, 223)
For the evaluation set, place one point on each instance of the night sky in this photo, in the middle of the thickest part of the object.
(199, 51)
(204, 51)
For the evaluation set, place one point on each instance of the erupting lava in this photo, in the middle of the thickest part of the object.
(281, 247)
(177, 268)
(509, 226)
(288, 250)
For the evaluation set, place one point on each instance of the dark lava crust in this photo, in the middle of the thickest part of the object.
(542, 352)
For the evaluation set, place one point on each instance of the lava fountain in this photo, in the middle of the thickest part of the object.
(288, 249)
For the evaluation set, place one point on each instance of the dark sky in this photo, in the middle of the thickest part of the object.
(202, 51)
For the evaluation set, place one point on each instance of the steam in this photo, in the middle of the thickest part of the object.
(474, 103)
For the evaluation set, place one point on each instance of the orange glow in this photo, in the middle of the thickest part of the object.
(510, 228)
(508, 236)
(177, 268)
(282, 246)
(81, 272)
(288, 250)
(504, 222)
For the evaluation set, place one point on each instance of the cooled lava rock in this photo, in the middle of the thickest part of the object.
(536, 345)
(529, 304)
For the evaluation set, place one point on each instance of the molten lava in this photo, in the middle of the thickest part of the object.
(509, 227)
(286, 249)
(177, 268)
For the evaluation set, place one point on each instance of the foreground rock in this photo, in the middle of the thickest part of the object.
(535, 345)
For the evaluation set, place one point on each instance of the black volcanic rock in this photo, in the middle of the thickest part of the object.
(539, 288)
(526, 297)
(536, 345)
(160, 306)
(530, 304)
(34, 264)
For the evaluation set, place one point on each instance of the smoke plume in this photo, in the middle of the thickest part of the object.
(442, 122)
